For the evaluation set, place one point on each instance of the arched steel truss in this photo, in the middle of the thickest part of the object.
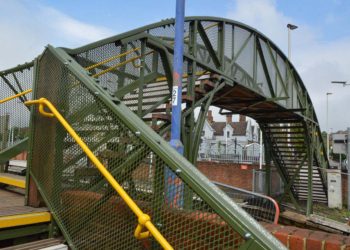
(228, 65)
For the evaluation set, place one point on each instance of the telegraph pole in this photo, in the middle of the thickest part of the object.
(328, 93)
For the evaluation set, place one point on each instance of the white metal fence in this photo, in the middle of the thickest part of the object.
(232, 158)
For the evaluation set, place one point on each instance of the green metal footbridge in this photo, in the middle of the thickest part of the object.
(114, 96)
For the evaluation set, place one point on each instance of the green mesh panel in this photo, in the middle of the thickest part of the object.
(14, 116)
(90, 213)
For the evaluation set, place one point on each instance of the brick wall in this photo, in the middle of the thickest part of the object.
(238, 175)
(303, 239)
(21, 156)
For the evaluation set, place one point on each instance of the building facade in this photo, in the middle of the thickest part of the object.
(229, 139)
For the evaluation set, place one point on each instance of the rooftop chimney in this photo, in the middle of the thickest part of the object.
(242, 118)
(210, 117)
(228, 118)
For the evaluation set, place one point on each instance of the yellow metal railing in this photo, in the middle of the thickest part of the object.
(132, 60)
(15, 96)
(144, 220)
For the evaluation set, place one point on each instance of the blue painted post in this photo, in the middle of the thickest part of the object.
(173, 184)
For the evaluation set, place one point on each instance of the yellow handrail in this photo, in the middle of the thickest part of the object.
(120, 64)
(144, 220)
(111, 58)
(15, 96)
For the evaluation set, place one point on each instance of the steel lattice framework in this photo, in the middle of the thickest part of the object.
(226, 64)
(248, 74)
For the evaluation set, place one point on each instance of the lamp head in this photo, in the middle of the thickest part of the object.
(291, 26)
(344, 83)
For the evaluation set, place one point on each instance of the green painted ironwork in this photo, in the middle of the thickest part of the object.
(239, 56)
(226, 64)
(78, 211)
(15, 233)
(10, 152)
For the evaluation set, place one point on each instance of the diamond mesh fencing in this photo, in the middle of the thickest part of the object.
(14, 116)
(118, 66)
(89, 212)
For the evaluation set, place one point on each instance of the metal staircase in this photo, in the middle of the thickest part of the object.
(289, 146)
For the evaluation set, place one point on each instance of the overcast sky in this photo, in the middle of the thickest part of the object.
(320, 46)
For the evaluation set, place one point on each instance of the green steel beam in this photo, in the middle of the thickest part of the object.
(165, 58)
(31, 133)
(19, 86)
(267, 168)
(309, 205)
(201, 119)
(20, 67)
(122, 59)
(264, 65)
(296, 173)
(12, 151)
(208, 45)
(15, 92)
(189, 120)
(142, 75)
(278, 73)
(18, 232)
(221, 44)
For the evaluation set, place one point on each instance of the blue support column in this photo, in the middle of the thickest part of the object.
(173, 184)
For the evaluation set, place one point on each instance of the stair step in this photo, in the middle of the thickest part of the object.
(160, 117)
(22, 215)
(13, 180)
(284, 132)
(315, 193)
(208, 83)
(51, 244)
(285, 127)
(128, 98)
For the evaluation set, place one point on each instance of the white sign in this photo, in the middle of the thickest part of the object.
(174, 96)
(334, 189)
(339, 143)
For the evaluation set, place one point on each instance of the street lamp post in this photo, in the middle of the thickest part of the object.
(290, 28)
(328, 93)
(344, 83)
